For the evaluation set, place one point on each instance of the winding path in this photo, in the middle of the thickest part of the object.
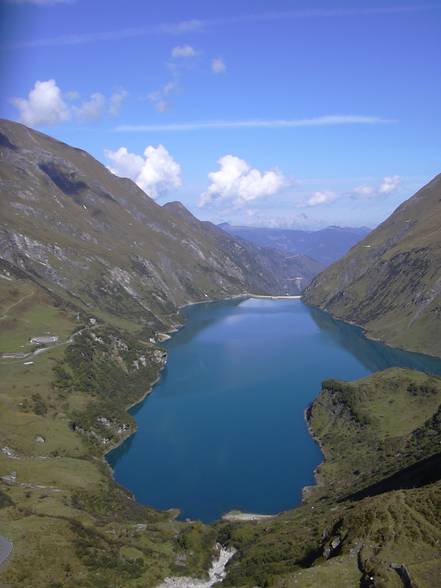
(16, 304)
(40, 350)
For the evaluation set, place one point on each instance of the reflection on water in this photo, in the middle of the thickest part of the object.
(375, 356)
(224, 427)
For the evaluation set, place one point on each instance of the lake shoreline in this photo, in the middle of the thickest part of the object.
(162, 338)
(370, 337)
(306, 491)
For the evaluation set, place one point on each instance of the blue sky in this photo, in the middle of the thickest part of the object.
(281, 113)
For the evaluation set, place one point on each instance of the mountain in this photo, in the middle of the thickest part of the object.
(99, 241)
(373, 518)
(390, 283)
(326, 245)
(76, 240)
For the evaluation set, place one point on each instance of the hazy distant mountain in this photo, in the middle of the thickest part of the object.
(100, 241)
(326, 245)
(390, 283)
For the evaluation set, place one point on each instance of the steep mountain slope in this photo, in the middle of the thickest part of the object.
(325, 246)
(374, 517)
(102, 242)
(390, 283)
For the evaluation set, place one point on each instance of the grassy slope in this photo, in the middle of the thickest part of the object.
(70, 524)
(390, 283)
(368, 430)
(25, 309)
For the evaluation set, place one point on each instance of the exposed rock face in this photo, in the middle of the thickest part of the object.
(216, 573)
(97, 239)
(390, 283)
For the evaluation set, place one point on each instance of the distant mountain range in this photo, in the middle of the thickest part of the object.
(326, 245)
(99, 241)
(390, 283)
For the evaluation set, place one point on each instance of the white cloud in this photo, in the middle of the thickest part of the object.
(276, 220)
(318, 121)
(389, 184)
(218, 65)
(115, 102)
(159, 98)
(321, 197)
(98, 105)
(46, 104)
(183, 51)
(364, 190)
(156, 173)
(125, 164)
(181, 60)
(43, 106)
(91, 109)
(238, 183)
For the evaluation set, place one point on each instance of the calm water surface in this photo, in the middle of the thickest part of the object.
(224, 427)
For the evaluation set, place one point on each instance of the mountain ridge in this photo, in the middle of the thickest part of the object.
(324, 245)
(390, 283)
(77, 228)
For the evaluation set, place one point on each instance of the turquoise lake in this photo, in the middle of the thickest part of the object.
(224, 428)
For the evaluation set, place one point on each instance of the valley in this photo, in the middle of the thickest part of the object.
(84, 313)
(220, 294)
(324, 245)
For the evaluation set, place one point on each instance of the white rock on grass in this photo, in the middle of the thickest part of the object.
(216, 573)
(9, 452)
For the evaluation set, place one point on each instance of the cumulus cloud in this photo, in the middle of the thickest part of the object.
(98, 106)
(156, 172)
(218, 65)
(364, 190)
(321, 197)
(91, 109)
(388, 185)
(237, 182)
(183, 51)
(43, 106)
(46, 104)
